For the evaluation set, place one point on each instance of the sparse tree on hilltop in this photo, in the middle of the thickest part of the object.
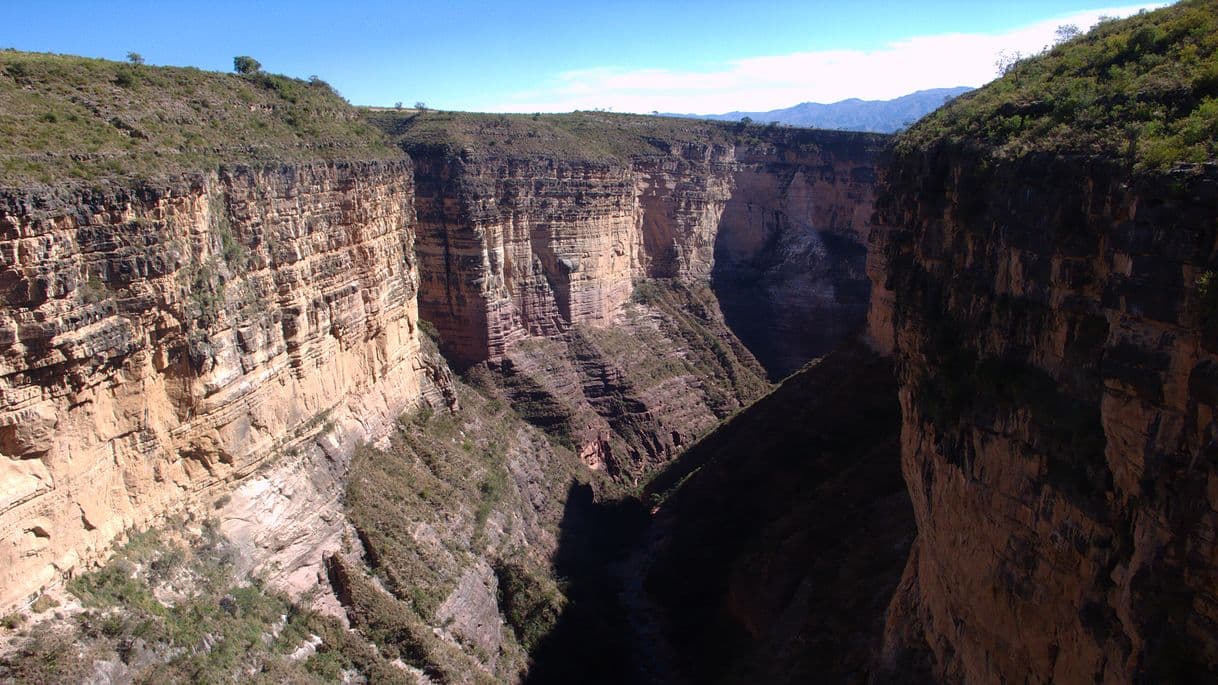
(244, 64)
(135, 58)
(1006, 61)
(1066, 32)
(421, 106)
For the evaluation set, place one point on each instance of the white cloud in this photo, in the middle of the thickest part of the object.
(775, 81)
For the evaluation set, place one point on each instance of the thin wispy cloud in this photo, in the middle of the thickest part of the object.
(775, 81)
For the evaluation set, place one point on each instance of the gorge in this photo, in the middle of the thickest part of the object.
(451, 397)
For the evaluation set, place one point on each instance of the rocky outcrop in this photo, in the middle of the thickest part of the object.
(512, 247)
(632, 396)
(516, 247)
(790, 252)
(520, 249)
(164, 339)
(1054, 328)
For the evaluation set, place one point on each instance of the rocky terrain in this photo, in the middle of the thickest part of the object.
(579, 274)
(442, 397)
(222, 339)
(1053, 319)
(787, 580)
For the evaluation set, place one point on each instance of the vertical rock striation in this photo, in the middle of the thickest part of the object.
(1057, 355)
(520, 248)
(162, 339)
(790, 253)
(516, 247)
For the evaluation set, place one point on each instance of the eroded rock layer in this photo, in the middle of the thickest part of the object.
(512, 247)
(534, 264)
(160, 340)
(790, 252)
(1057, 355)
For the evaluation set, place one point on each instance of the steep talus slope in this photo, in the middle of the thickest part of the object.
(1049, 287)
(782, 534)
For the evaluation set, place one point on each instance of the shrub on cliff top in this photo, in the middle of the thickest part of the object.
(1143, 88)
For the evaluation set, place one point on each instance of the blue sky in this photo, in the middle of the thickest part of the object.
(706, 56)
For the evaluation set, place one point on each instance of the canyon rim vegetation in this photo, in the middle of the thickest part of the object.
(297, 391)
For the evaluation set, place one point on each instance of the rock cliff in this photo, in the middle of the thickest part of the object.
(1057, 392)
(790, 252)
(533, 250)
(164, 339)
(528, 242)
(1050, 303)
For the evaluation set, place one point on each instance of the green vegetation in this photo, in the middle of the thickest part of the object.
(1144, 89)
(172, 610)
(65, 117)
(597, 136)
(432, 505)
(1207, 295)
(244, 64)
(530, 600)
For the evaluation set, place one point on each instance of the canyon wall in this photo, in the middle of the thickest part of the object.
(516, 247)
(512, 247)
(161, 340)
(1056, 346)
(533, 264)
(790, 252)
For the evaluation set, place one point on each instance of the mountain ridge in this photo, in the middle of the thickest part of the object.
(851, 114)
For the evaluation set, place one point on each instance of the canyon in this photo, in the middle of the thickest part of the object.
(621, 398)
(239, 345)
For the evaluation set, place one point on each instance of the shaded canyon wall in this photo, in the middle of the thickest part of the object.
(1056, 349)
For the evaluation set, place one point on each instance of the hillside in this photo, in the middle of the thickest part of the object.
(876, 116)
(1143, 89)
(579, 135)
(66, 117)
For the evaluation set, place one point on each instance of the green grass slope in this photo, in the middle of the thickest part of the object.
(65, 117)
(1143, 88)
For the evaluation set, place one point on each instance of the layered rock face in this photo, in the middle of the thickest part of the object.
(511, 248)
(164, 339)
(516, 251)
(790, 251)
(1057, 355)
(518, 247)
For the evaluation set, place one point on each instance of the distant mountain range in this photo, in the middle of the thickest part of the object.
(880, 116)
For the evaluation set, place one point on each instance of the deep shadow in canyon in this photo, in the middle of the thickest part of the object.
(590, 643)
(778, 540)
(797, 298)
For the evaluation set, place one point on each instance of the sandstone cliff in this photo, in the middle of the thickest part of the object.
(789, 267)
(1051, 309)
(1058, 404)
(536, 229)
(163, 339)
